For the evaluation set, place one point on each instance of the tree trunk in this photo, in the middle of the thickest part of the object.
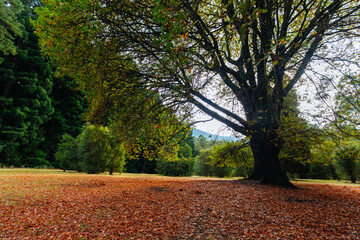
(266, 147)
(353, 179)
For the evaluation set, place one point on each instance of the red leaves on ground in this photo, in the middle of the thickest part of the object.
(105, 207)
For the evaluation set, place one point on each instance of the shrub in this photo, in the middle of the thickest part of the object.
(67, 153)
(231, 156)
(178, 167)
(347, 162)
(202, 165)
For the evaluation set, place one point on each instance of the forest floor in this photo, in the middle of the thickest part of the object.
(48, 204)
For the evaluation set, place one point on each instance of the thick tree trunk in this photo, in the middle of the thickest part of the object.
(266, 147)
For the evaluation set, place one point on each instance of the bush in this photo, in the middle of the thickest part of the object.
(115, 153)
(67, 153)
(347, 163)
(232, 158)
(223, 171)
(92, 149)
(202, 165)
(178, 167)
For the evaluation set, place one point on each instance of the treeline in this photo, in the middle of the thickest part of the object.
(95, 151)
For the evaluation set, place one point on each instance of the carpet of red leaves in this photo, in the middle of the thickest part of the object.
(106, 207)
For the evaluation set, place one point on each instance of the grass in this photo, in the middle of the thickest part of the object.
(330, 182)
(10, 171)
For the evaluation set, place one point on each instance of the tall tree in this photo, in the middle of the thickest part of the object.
(25, 103)
(228, 58)
(68, 117)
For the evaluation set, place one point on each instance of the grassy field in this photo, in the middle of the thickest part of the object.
(51, 204)
(10, 171)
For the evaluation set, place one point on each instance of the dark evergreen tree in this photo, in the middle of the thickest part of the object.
(69, 106)
(25, 103)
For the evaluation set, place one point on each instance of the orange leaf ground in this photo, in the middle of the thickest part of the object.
(37, 206)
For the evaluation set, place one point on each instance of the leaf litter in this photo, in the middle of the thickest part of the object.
(105, 207)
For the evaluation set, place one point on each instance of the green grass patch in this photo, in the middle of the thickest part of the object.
(7, 171)
(329, 182)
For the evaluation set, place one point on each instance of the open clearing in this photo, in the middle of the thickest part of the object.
(78, 206)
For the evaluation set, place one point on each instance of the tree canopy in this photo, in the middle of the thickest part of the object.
(227, 58)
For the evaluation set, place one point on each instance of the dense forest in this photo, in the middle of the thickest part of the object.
(90, 87)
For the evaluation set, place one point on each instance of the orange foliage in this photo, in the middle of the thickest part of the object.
(105, 207)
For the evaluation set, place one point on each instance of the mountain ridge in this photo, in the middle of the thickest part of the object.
(209, 136)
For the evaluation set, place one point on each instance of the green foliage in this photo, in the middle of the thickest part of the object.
(25, 102)
(298, 137)
(95, 150)
(201, 143)
(92, 149)
(186, 50)
(321, 164)
(348, 104)
(67, 153)
(202, 163)
(178, 161)
(115, 154)
(233, 154)
(204, 166)
(177, 167)
(69, 107)
(10, 26)
(223, 172)
(347, 162)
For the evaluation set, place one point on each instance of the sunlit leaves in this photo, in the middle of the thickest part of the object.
(10, 26)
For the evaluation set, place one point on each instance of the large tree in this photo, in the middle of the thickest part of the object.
(68, 117)
(24, 98)
(227, 58)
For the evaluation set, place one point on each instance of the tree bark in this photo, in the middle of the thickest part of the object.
(265, 146)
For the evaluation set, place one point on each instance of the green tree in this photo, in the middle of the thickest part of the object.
(115, 153)
(185, 48)
(177, 167)
(298, 136)
(68, 117)
(25, 103)
(10, 26)
(322, 157)
(181, 162)
(233, 154)
(348, 105)
(202, 165)
(92, 149)
(347, 162)
(201, 143)
(67, 153)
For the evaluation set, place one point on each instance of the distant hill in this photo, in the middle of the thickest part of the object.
(209, 136)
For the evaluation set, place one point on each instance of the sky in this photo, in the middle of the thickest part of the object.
(214, 126)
